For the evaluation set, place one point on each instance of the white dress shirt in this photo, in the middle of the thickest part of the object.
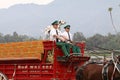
(66, 35)
(53, 32)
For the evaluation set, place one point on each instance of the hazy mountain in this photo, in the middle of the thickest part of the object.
(88, 17)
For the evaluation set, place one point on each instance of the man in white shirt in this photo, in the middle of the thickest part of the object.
(68, 39)
(66, 34)
(49, 28)
(55, 35)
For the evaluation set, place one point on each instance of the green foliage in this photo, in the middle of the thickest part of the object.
(78, 36)
(111, 41)
(14, 38)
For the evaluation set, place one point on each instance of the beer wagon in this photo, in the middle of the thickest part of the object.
(38, 60)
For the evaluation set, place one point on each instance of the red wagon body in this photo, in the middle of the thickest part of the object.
(59, 68)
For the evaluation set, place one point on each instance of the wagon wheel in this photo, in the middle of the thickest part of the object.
(3, 76)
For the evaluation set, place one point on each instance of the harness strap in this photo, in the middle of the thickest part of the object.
(118, 67)
(113, 73)
(105, 72)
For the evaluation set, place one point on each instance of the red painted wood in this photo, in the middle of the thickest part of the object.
(41, 70)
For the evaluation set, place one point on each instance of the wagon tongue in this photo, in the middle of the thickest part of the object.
(75, 57)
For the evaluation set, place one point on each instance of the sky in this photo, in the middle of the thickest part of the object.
(8, 3)
(86, 16)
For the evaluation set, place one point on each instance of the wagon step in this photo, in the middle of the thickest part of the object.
(66, 58)
(62, 58)
(72, 58)
(76, 54)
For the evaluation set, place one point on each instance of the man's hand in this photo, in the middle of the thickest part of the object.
(55, 36)
(59, 37)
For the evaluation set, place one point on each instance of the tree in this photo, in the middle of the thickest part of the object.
(15, 37)
(95, 41)
(78, 36)
(2, 40)
(8, 38)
